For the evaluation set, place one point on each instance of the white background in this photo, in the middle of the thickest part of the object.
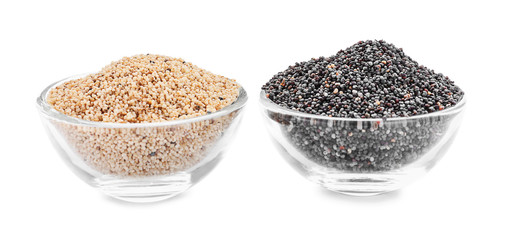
(253, 193)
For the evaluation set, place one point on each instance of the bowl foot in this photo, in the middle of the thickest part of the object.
(146, 189)
(360, 184)
(357, 193)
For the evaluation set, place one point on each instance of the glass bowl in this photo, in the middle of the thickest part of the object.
(361, 157)
(141, 162)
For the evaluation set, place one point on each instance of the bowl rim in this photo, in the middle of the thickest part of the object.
(47, 110)
(268, 104)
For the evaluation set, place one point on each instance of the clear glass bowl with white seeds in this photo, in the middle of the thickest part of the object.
(361, 156)
(141, 162)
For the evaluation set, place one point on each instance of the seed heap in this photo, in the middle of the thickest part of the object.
(147, 151)
(144, 89)
(371, 79)
(363, 146)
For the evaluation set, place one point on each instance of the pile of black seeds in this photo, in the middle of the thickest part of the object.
(357, 146)
(371, 79)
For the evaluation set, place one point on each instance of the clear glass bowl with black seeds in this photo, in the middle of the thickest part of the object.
(361, 156)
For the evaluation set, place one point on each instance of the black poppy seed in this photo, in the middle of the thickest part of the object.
(371, 79)
(313, 76)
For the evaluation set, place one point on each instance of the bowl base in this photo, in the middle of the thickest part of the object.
(362, 184)
(146, 189)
